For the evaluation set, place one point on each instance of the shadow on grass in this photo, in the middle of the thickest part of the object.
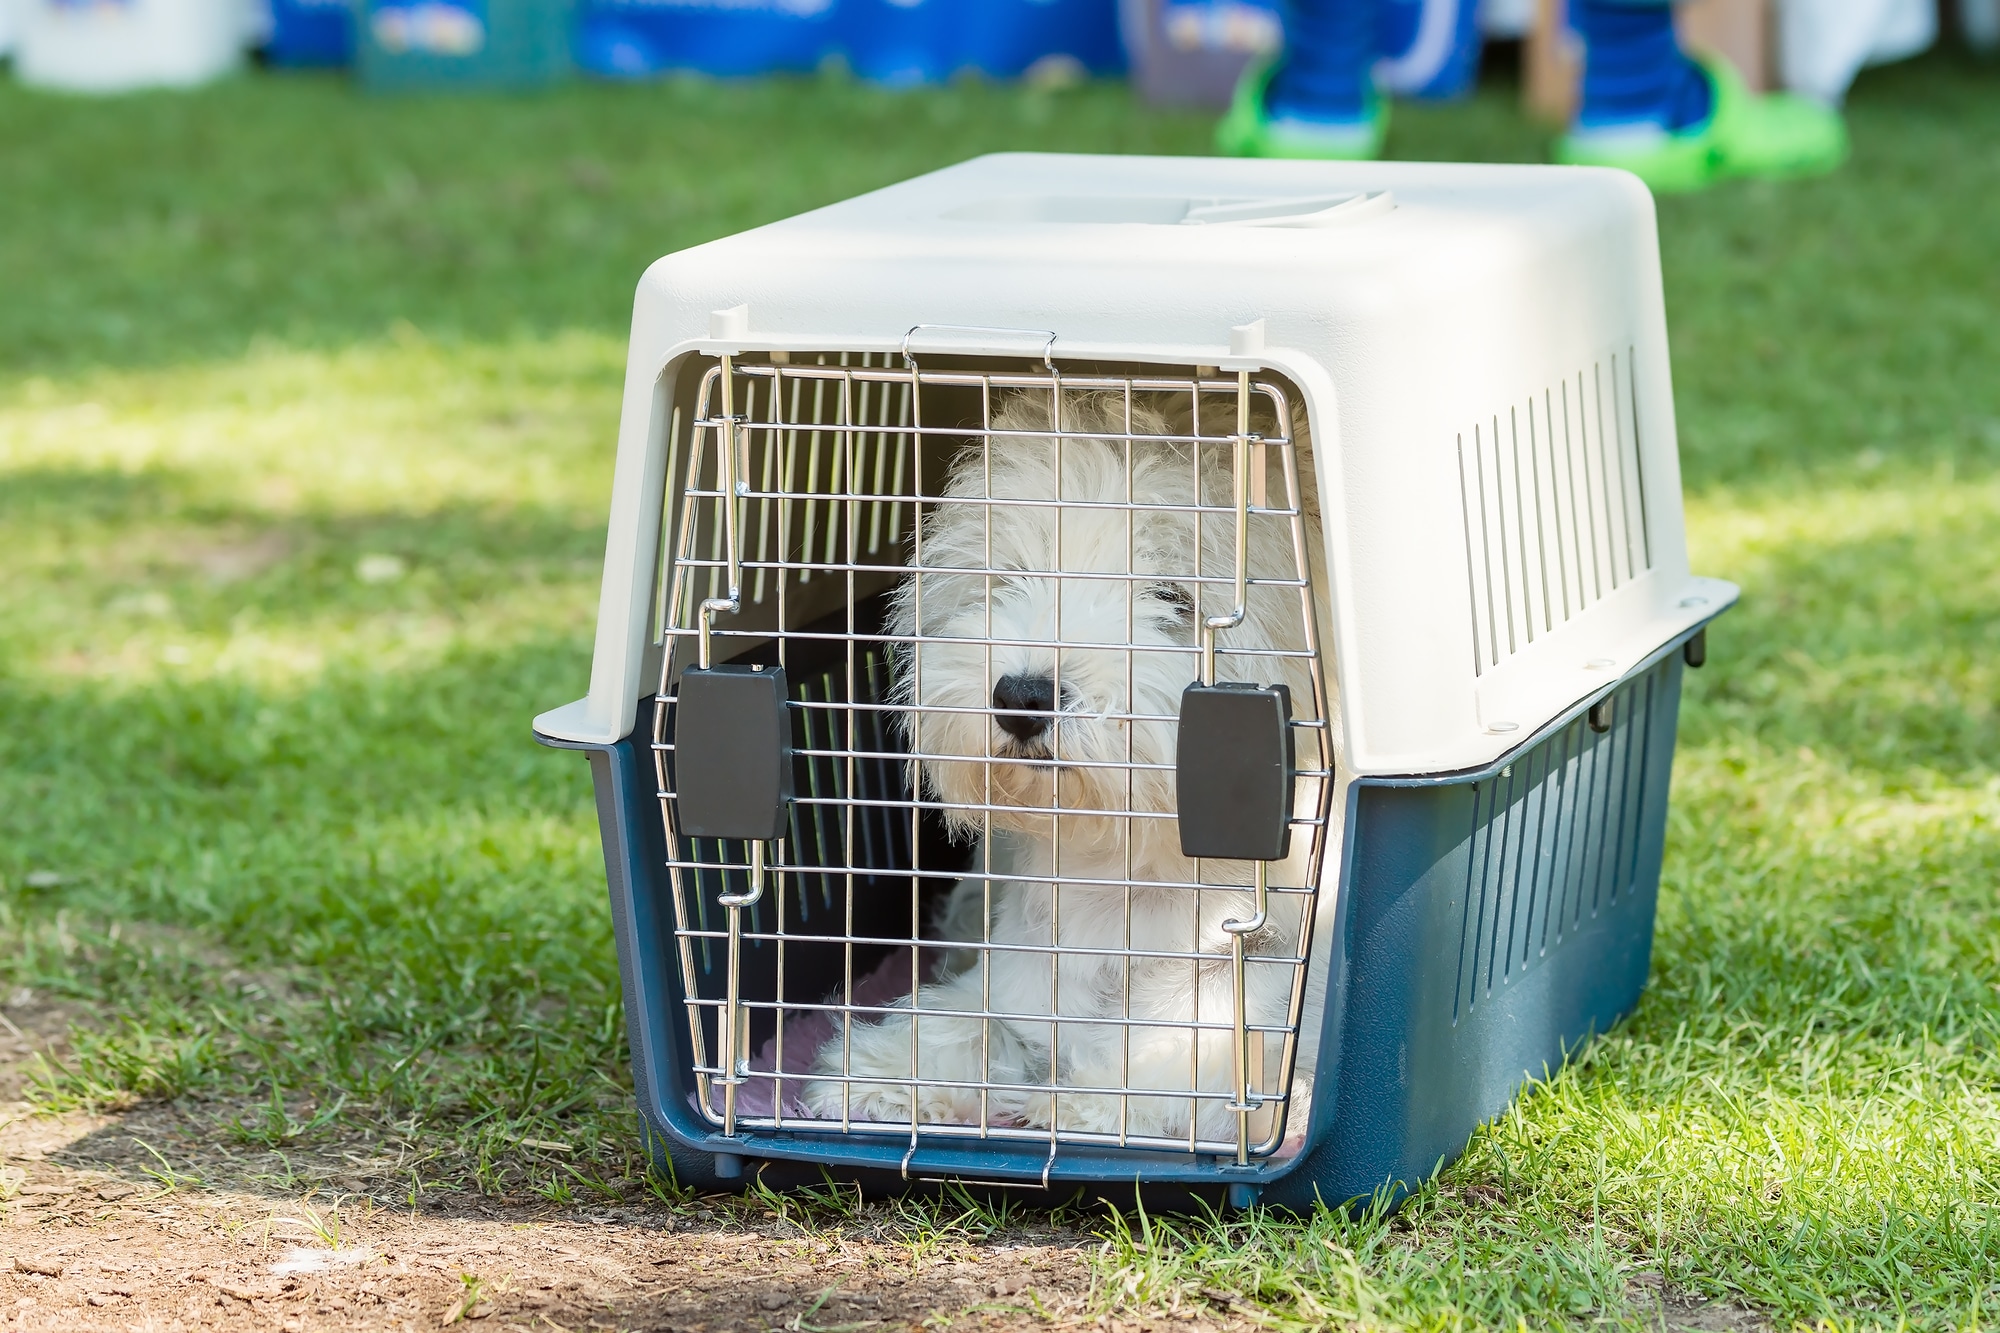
(122, 558)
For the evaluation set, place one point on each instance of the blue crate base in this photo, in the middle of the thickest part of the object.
(1488, 924)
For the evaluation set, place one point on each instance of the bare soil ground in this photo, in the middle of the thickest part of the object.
(103, 1226)
(94, 1243)
(148, 1220)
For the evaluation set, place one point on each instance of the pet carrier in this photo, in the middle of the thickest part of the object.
(1119, 669)
(310, 33)
(640, 38)
(424, 45)
(1193, 52)
(115, 46)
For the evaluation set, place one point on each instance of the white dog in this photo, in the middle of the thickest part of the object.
(1058, 754)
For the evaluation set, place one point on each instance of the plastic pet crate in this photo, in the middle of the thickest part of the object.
(419, 45)
(1355, 563)
(1192, 52)
(114, 46)
(726, 38)
(307, 34)
(1006, 39)
(903, 43)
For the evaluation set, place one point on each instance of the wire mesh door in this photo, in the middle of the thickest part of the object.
(985, 585)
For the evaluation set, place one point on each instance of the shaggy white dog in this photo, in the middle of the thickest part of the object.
(1042, 710)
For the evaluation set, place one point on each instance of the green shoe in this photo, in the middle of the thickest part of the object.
(1248, 130)
(1773, 136)
(1669, 163)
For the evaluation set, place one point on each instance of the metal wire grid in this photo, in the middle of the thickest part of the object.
(836, 453)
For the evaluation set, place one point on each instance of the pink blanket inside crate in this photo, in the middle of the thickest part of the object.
(808, 1030)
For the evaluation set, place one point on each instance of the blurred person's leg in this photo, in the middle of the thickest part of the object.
(1680, 123)
(1319, 99)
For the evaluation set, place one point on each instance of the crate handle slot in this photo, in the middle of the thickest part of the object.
(975, 339)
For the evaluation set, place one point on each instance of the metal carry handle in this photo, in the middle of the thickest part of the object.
(1042, 341)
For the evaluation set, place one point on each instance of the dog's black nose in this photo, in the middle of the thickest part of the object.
(1025, 704)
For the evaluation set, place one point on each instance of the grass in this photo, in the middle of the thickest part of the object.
(305, 411)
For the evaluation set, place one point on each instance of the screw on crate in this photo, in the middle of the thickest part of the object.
(732, 759)
(1235, 768)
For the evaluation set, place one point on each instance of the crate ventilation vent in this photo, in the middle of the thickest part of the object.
(1556, 839)
(1554, 501)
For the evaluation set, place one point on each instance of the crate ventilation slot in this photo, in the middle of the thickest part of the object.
(1554, 500)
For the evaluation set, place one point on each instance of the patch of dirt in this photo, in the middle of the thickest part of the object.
(84, 1248)
(155, 1218)
(1678, 1312)
(88, 1254)
(28, 1025)
(101, 1228)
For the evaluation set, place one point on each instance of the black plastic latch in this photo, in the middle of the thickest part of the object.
(732, 753)
(1235, 765)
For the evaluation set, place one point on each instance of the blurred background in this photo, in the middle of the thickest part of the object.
(309, 374)
(1186, 52)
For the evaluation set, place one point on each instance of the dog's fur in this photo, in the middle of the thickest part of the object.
(1036, 858)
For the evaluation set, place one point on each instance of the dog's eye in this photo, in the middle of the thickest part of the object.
(1176, 596)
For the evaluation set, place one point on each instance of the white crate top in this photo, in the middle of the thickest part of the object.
(1482, 350)
(1096, 244)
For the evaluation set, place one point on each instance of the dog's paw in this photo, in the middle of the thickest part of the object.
(890, 1103)
(1093, 1113)
(1298, 1111)
(824, 1100)
(1298, 1107)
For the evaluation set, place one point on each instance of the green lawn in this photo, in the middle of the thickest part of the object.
(306, 412)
